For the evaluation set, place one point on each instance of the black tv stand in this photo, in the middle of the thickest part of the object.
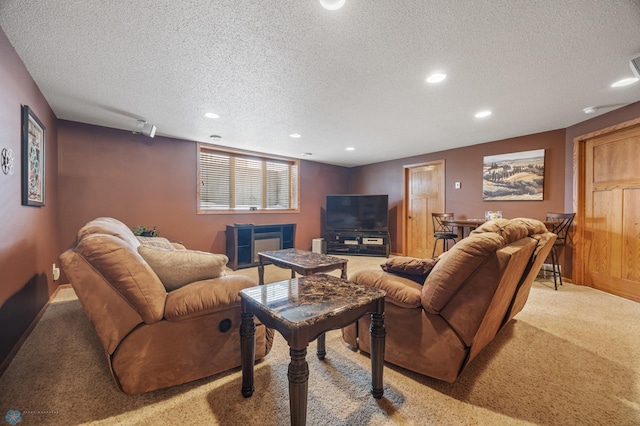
(366, 243)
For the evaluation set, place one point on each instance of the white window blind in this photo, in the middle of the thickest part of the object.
(231, 182)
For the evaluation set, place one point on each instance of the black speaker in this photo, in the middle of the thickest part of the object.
(635, 66)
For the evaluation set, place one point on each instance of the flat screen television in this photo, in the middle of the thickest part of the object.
(357, 213)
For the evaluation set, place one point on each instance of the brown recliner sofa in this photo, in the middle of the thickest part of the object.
(440, 313)
(158, 328)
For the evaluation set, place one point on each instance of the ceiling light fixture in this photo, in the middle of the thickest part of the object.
(625, 82)
(295, 135)
(350, 148)
(332, 4)
(307, 154)
(483, 114)
(215, 137)
(590, 110)
(436, 78)
(211, 115)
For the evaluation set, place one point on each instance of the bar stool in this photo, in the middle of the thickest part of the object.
(561, 224)
(442, 230)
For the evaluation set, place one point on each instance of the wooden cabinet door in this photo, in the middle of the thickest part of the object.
(425, 195)
(612, 213)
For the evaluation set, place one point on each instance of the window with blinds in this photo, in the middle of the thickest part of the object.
(232, 182)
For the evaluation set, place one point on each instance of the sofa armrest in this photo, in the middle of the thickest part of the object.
(401, 291)
(205, 297)
(410, 266)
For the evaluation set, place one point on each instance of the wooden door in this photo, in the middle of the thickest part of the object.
(424, 189)
(611, 230)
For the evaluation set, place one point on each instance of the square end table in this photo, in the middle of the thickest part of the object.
(301, 261)
(301, 310)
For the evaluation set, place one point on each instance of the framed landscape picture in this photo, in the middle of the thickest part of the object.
(514, 176)
(33, 159)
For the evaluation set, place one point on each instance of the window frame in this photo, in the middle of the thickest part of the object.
(252, 156)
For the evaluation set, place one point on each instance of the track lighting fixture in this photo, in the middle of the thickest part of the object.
(145, 128)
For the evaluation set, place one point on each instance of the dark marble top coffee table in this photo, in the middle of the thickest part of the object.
(303, 309)
(301, 261)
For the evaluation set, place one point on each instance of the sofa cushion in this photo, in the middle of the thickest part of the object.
(176, 268)
(205, 297)
(534, 226)
(108, 226)
(510, 230)
(158, 242)
(410, 265)
(457, 267)
(126, 272)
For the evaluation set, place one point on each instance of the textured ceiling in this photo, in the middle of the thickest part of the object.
(352, 77)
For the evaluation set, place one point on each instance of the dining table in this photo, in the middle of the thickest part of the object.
(465, 226)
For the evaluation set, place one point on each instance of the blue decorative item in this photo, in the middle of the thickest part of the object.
(13, 417)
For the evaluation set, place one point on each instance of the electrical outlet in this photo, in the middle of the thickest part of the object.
(458, 185)
(56, 273)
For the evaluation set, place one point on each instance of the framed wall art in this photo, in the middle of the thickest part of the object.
(33, 159)
(514, 176)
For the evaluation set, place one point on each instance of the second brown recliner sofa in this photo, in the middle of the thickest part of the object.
(440, 313)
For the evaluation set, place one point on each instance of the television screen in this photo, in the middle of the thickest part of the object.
(357, 213)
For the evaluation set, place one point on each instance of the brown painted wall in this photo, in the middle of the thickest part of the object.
(28, 235)
(465, 165)
(152, 182)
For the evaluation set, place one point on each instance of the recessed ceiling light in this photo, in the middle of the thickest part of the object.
(590, 110)
(436, 77)
(351, 148)
(307, 154)
(483, 114)
(625, 82)
(332, 4)
(215, 137)
(211, 115)
(295, 135)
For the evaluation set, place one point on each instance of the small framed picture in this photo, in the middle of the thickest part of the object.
(33, 159)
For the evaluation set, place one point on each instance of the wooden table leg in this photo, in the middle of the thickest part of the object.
(321, 350)
(260, 271)
(378, 332)
(247, 352)
(298, 386)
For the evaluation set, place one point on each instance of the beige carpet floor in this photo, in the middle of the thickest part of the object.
(571, 357)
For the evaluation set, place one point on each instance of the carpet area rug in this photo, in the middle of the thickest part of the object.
(569, 358)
